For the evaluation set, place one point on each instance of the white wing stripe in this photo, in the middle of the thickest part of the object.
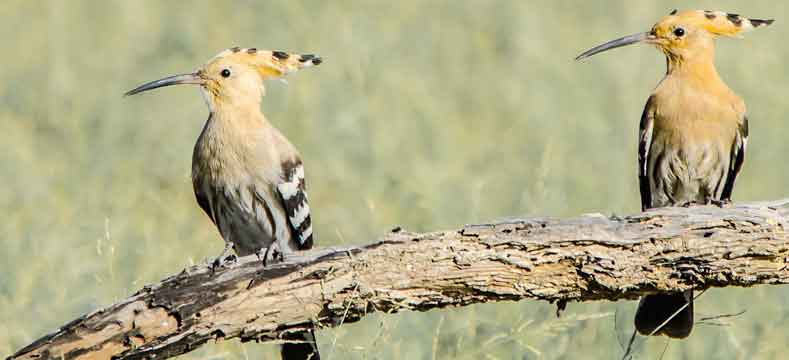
(288, 189)
(300, 215)
(305, 234)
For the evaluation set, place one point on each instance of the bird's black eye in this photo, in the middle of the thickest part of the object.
(225, 73)
(679, 32)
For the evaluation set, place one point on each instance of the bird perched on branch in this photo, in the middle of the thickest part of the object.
(693, 136)
(247, 176)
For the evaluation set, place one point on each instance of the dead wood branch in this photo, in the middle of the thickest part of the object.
(558, 260)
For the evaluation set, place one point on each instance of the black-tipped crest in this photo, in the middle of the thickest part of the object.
(316, 60)
(735, 19)
(281, 55)
(759, 22)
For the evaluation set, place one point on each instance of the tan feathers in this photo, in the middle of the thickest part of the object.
(269, 64)
(716, 23)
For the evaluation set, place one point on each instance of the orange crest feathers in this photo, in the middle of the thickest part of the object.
(721, 23)
(270, 64)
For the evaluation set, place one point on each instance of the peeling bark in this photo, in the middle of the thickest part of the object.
(558, 260)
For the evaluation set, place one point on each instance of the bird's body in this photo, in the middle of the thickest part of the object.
(692, 138)
(689, 130)
(247, 177)
(240, 194)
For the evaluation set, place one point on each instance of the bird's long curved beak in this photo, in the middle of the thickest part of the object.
(613, 44)
(170, 80)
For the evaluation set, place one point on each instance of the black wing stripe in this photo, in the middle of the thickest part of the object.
(737, 158)
(644, 143)
(293, 194)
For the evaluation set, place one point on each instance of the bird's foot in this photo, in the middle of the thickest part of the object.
(725, 203)
(271, 254)
(689, 204)
(226, 259)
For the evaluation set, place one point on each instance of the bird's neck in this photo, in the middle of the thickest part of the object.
(231, 143)
(244, 117)
(698, 71)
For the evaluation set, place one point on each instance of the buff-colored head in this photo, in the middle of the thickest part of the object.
(686, 34)
(236, 75)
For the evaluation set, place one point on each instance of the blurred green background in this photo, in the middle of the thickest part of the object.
(425, 114)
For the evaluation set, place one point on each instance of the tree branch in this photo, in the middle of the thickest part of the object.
(558, 260)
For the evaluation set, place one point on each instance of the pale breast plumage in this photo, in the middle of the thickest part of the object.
(252, 210)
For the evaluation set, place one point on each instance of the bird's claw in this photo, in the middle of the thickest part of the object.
(689, 204)
(226, 259)
(271, 255)
(725, 203)
(719, 203)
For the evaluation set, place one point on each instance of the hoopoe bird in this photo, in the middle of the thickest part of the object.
(247, 177)
(692, 138)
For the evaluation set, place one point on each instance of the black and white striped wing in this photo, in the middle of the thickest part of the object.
(293, 193)
(644, 144)
(737, 158)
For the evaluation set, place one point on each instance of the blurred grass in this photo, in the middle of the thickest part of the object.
(426, 114)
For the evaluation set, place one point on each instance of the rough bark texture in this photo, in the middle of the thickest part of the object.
(585, 258)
